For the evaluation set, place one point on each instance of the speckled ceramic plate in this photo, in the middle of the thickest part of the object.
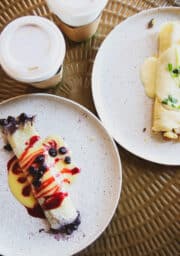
(95, 193)
(118, 93)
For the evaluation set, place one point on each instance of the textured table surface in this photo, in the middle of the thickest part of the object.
(147, 218)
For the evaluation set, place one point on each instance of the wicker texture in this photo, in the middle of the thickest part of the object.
(147, 219)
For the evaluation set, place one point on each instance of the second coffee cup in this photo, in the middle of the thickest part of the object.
(78, 19)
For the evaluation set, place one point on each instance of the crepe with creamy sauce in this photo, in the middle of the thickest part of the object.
(161, 78)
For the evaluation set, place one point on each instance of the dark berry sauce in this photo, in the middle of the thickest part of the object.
(36, 211)
(26, 191)
(16, 169)
(22, 180)
(54, 201)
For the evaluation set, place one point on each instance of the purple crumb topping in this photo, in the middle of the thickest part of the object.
(11, 124)
(69, 228)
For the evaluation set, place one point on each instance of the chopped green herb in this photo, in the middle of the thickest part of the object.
(175, 101)
(175, 73)
(170, 67)
(165, 101)
(172, 99)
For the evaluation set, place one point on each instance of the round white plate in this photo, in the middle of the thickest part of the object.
(118, 93)
(95, 192)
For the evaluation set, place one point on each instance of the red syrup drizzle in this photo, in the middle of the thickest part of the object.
(74, 171)
(50, 144)
(57, 160)
(11, 162)
(36, 211)
(51, 202)
(66, 181)
(30, 144)
(54, 201)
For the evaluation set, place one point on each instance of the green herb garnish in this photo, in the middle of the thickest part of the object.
(165, 101)
(170, 67)
(175, 73)
(171, 101)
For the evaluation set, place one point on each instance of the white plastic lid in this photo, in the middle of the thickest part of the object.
(77, 12)
(32, 49)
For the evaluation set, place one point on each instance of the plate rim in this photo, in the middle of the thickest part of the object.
(93, 82)
(114, 146)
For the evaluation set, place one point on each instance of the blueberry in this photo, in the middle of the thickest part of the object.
(39, 159)
(36, 183)
(33, 171)
(8, 147)
(62, 229)
(23, 117)
(3, 122)
(42, 168)
(67, 160)
(52, 152)
(62, 150)
(77, 222)
(69, 231)
(75, 227)
(39, 175)
(11, 119)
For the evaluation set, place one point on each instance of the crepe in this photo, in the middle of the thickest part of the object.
(47, 171)
(161, 78)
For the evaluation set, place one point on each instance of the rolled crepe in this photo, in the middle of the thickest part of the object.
(42, 172)
(161, 78)
(169, 35)
(166, 117)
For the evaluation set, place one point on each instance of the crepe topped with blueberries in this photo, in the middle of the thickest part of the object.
(44, 171)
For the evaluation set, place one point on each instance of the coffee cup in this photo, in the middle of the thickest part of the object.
(78, 19)
(32, 50)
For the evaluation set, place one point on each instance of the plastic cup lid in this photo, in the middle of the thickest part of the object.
(32, 49)
(77, 12)
(81, 7)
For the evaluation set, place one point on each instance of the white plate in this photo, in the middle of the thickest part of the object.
(96, 191)
(118, 93)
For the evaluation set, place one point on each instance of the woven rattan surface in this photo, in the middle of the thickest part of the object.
(147, 219)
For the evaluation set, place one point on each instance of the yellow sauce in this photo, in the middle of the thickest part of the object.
(169, 35)
(17, 187)
(148, 76)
